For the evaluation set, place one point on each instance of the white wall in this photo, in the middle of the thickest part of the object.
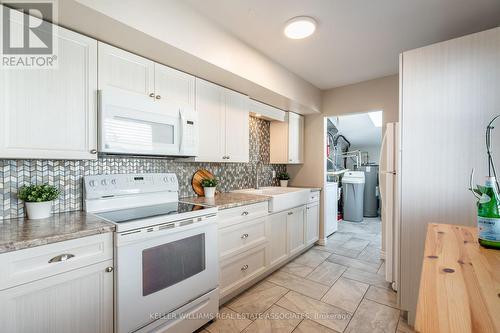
(174, 23)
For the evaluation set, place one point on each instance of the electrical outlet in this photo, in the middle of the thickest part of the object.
(274, 173)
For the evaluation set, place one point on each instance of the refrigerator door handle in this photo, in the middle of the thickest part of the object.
(383, 149)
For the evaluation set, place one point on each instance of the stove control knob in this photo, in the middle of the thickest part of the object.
(92, 183)
(165, 179)
(113, 181)
(104, 182)
(172, 179)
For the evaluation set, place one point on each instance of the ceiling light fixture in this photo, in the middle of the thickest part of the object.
(300, 27)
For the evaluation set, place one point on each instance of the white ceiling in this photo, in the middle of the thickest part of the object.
(359, 130)
(356, 40)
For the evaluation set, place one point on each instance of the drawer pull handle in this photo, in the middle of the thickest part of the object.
(290, 213)
(245, 213)
(244, 236)
(244, 267)
(61, 257)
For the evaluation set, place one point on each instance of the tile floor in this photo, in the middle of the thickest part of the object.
(339, 287)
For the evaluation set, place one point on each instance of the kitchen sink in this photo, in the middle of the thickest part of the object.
(282, 198)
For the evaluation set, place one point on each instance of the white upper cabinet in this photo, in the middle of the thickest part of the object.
(223, 124)
(211, 120)
(52, 113)
(295, 138)
(171, 84)
(125, 70)
(237, 130)
(133, 73)
(287, 140)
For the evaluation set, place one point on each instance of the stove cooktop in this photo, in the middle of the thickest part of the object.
(144, 212)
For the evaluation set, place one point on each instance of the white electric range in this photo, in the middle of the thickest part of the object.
(166, 265)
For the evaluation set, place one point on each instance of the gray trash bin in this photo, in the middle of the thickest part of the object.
(370, 205)
(353, 185)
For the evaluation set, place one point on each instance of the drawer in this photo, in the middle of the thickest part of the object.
(36, 263)
(314, 196)
(241, 237)
(237, 271)
(240, 214)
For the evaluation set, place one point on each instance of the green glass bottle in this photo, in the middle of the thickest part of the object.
(488, 215)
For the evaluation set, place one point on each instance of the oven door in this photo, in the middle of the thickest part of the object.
(135, 124)
(159, 271)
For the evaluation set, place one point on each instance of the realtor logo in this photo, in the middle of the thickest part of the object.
(27, 36)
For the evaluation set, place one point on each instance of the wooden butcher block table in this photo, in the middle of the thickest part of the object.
(460, 283)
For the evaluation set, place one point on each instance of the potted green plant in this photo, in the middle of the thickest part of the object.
(38, 200)
(209, 186)
(283, 178)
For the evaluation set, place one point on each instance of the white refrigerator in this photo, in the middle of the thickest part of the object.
(389, 202)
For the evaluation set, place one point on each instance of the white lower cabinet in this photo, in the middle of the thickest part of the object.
(250, 247)
(75, 300)
(312, 223)
(295, 224)
(278, 247)
(238, 270)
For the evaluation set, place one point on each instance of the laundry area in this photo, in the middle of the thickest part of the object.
(354, 154)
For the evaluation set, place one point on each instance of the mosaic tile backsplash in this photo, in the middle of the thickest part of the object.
(67, 175)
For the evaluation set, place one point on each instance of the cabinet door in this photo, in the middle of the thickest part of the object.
(312, 224)
(277, 224)
(237, 131)
(78, 301)
(211, 120)
(125, 70)
(295, 221)
(330, 209)
(295, 138)
(52, 113)
(174, 85)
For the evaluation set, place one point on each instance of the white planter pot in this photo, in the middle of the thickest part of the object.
(209, 192)
(284, 183)
(38, 210)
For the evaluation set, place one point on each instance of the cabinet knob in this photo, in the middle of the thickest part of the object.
(152, 95)
(108, 269)
(244, 267)
(228, 157)
(93, 151)
(290, 213)
(244, 236)
(245, 213)
(158, 96)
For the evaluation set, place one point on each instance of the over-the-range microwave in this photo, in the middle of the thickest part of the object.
(135, 124)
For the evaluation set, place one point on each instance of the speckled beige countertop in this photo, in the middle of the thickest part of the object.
(227, 200)
(17, 234)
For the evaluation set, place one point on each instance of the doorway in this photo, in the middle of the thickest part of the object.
(353, 153)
